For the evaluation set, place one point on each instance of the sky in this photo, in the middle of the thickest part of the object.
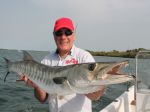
(101, 25)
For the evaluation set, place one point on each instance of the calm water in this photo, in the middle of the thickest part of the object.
(18, 97)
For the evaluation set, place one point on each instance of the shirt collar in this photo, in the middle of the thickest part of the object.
(71, 51)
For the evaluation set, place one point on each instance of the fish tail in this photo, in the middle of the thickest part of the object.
(6, 67)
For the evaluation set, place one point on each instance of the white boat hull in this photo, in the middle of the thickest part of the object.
(123, 103)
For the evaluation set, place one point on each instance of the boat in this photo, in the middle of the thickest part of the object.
(124, 103)
(137, 98)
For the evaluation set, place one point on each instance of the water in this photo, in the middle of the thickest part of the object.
(18, 97)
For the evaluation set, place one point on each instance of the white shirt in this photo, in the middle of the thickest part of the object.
(73, 102)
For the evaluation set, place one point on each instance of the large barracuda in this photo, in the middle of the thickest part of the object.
(79, 78)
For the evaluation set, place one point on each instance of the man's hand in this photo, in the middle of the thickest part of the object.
(27, 81)
(39, 93)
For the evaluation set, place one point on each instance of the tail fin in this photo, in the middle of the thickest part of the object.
(6, 67)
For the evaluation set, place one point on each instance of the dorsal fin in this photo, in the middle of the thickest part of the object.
(6, 60)
(27, 56)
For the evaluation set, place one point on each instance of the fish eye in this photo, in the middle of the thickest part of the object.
(91, 67)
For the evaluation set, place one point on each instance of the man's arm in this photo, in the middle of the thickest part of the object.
(38, 93)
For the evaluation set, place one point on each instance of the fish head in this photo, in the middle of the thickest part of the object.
(110, 73)
(101, 70)
(100, 73)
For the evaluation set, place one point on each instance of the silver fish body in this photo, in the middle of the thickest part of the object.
(79, 78)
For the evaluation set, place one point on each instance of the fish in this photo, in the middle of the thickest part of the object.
(81, 78)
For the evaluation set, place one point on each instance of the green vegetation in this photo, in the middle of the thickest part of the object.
(115, 53)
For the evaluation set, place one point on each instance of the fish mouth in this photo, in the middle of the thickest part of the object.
(113, 69)
(116, 68)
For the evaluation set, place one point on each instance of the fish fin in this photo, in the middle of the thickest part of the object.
(6, 60)
(59, 80)
(5, 66)
(27, 56)
(6, 76)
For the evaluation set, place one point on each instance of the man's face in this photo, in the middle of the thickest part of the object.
(64, 39)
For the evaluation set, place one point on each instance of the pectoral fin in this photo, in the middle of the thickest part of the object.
(6, 76)
(59, 80)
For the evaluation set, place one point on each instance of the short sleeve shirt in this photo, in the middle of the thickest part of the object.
(73, 102)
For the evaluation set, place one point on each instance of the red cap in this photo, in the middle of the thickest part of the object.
(63, 23)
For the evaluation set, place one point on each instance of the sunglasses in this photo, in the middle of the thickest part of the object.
(61, 32)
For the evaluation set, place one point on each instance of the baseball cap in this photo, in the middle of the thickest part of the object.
(63, 23)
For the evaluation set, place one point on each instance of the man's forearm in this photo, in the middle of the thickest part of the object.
(40, 94)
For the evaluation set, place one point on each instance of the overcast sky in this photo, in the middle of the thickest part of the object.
(101, 25)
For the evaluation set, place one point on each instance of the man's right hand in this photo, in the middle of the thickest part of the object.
(27, 81)
(39, 93)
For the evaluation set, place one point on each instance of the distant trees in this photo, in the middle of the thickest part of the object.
(115, 53)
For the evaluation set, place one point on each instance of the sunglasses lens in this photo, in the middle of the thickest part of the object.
(58, 33)
(66, 32)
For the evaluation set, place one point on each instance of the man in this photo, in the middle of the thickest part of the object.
(66, 53)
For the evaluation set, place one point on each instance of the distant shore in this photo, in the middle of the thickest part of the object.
(114, 53)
